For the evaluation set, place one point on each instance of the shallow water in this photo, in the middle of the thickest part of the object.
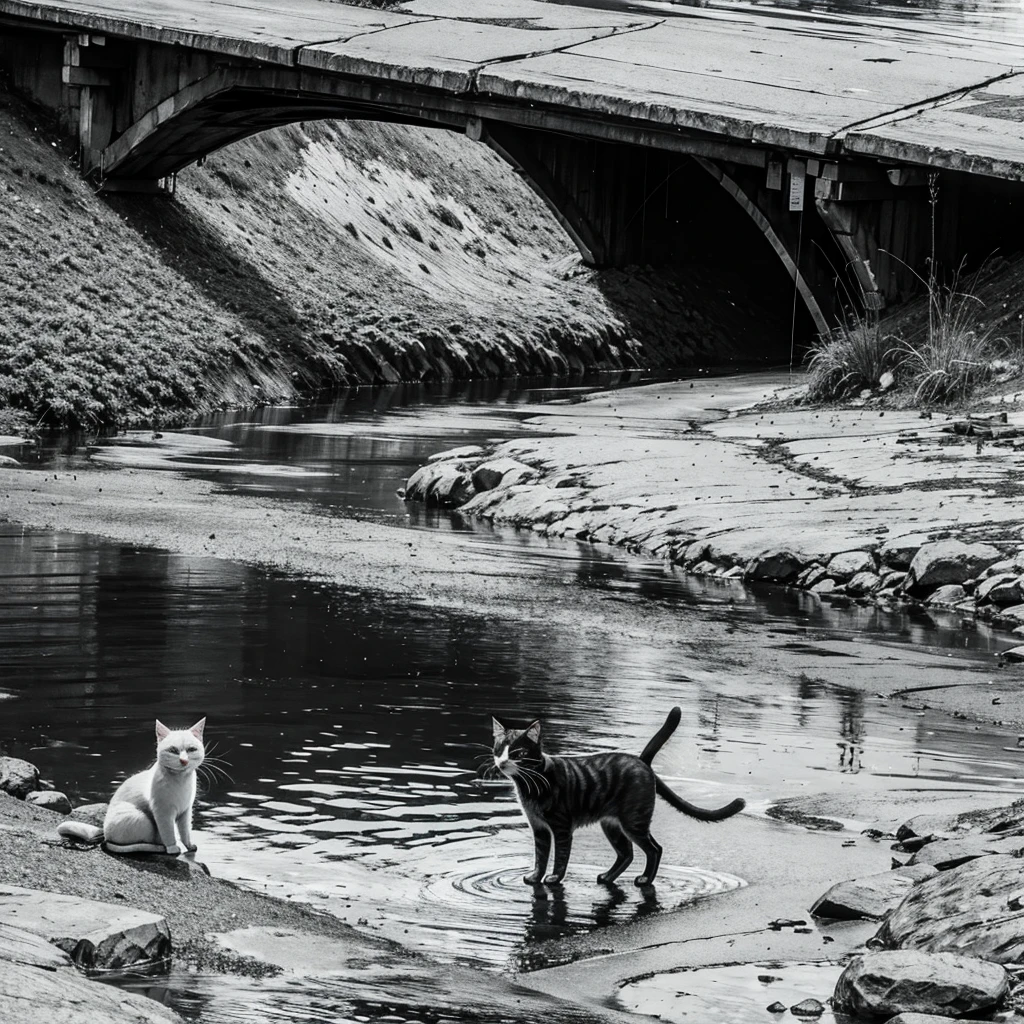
(352, 726)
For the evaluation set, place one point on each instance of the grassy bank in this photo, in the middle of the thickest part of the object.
(312, 256)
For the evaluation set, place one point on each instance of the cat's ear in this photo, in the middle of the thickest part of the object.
(499, 729)
(197, 729)
(162, 732)
(533, 732)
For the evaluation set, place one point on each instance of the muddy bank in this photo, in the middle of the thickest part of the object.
(219, 928)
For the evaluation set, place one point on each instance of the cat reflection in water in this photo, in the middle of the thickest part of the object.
(561, 794)
(144, 811)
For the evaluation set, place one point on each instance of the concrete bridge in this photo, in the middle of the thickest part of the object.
(834, 150)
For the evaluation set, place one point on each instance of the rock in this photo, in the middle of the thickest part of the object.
(893, 578)
(808, 1008)
(52, 799)
(17, 777)
(91, 814)
(946, 596)
(862, 584)
(948, 853)
(776, 1007)
(704, 569)
(440, 483)
(777, 565)
(906, 981)
(825, 586)
(94, 934)
(898, 552)
(844, 566)
(871, 897)
(697, 551)
(1013, 613)
(1004, 589)
(501, 472)
(20, 946)
(811, 575)
(965, 909)
(467, 451)
(1013, 654)
(29, 995)
(1002, 820)
(453, 486)
(948, 561)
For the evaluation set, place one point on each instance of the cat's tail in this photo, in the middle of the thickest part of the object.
(657, 741)
(701, 813)
(81, 832)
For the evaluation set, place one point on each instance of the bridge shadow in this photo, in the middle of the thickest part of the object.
(193, 250)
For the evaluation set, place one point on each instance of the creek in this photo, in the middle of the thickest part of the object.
(352, 725)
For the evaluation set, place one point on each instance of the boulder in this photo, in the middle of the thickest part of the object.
(811, 575)
(1013, 654)
(969, 909)
(94, 934)
(501, 473)
(452, 487)
(776, 565)
(844, 566)
(51, 799)
(1004, 589)
(947, 596)
(898, 552)
(862, 584)
(948, 561)
(825, 586)
(1007, 820)
(17, 777)
(440, 483)
(91, 814)
(948, 853)
(871, 897)
(906, 981)
(29, 995)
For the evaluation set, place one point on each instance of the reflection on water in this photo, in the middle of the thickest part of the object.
(352, 724)
(735, 994)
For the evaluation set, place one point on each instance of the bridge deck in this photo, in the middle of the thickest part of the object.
(813, 83)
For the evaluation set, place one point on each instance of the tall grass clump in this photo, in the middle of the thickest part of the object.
(960, 351)
(851, 358)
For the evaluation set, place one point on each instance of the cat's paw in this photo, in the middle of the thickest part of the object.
(642, 880)
(191, 847)
(553, 880)
(172, 850)
(532, 879)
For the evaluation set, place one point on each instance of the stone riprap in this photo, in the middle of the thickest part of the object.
(841, 503)
(890, 982)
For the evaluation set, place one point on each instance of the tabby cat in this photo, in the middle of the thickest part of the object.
(560, 794)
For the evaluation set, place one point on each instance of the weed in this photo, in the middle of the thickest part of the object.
(960, 351)
(853, 357)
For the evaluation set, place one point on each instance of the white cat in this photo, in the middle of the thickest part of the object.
(146, 807)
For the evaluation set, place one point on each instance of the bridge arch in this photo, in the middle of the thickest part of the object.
(589, 184)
